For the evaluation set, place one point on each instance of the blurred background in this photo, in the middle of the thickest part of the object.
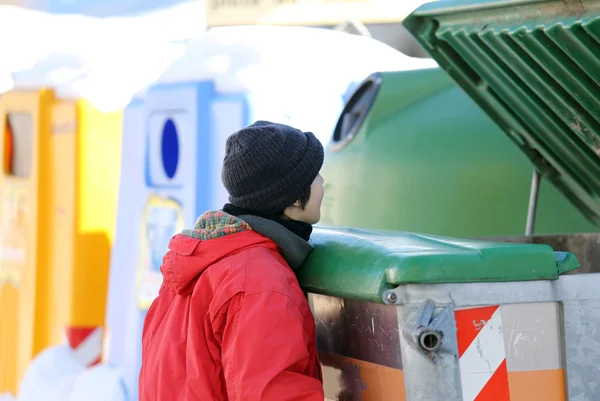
(114, 116)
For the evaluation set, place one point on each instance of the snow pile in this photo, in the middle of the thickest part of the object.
(104, 60)
(50, 375)
(108, 60)
(296, 75)
(100, 383)
(272, 58)
(55, 375)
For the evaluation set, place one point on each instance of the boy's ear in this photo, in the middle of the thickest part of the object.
(297, 203)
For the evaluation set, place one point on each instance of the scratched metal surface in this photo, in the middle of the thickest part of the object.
(359, 330)
(556, 324)
(359, 347)
(578, 296)
(427, 381)
(582, 338)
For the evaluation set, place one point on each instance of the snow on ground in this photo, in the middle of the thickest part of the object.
(55, 375)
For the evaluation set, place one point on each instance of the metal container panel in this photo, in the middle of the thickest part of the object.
(522, 341)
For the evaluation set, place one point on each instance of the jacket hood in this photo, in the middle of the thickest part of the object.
(188, 257)
(217, 235)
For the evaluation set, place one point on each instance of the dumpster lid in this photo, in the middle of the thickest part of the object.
(532, 66)
(362, 264)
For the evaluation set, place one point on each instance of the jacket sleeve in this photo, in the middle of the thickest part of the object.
(264, 351)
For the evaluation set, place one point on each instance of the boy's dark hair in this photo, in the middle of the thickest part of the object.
(304, 198)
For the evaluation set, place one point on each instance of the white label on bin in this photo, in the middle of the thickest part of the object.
(162, 218)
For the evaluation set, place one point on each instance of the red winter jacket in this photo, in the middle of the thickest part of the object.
(230, 323)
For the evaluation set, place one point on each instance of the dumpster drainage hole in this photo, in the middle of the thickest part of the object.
(170, 148)
(430, 341)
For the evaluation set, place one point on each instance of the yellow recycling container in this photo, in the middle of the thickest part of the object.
(58, 194)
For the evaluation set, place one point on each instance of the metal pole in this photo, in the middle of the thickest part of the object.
(533, 201)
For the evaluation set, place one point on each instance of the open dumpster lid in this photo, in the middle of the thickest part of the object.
(363, 264)
(534, 67)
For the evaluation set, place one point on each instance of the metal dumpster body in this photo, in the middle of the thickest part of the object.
(417, 317)
(424, 318)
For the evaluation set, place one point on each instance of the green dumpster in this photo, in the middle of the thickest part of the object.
(412, 152)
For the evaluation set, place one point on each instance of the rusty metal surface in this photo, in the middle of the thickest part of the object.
(586, 247)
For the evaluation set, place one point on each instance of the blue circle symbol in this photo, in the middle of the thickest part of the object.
(170, 148)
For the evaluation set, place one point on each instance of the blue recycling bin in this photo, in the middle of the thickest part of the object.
(173, 147)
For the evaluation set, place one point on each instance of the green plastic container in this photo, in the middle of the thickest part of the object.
(413, 152)
(535, 72)
(363, 264)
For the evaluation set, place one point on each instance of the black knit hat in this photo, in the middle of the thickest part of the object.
(268, 166)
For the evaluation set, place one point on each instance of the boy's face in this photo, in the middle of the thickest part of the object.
(311, 213)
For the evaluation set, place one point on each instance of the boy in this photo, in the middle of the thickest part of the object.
(230, 321)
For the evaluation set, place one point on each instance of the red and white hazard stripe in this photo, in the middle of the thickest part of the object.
(483, 372)
(86, 343)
